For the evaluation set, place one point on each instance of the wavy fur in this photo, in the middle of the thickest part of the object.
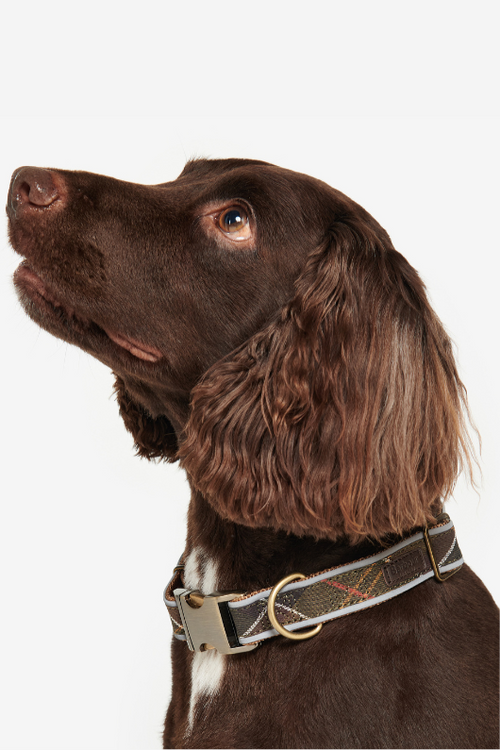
(343, 416)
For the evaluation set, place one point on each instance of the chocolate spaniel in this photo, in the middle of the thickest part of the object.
(265, 332)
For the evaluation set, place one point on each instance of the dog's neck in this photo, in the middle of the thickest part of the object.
(245, 559)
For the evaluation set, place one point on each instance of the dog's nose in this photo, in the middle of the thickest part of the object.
(34, 188)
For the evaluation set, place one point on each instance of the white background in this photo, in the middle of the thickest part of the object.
(395, 104)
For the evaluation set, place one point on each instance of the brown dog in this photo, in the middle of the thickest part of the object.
(263, 329)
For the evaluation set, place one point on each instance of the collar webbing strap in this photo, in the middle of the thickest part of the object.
(323, 596)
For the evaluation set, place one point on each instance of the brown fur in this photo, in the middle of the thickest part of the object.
(311, 394)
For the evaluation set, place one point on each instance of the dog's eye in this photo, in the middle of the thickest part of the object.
(234, 221)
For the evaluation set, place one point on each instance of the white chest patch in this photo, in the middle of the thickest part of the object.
(200, 572)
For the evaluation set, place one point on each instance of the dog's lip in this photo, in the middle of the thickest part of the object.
(137, 348)
(32, 280)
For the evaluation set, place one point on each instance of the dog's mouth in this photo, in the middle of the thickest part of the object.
(137, 348)
(34, 292)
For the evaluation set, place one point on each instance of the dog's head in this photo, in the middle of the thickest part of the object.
(263, 329)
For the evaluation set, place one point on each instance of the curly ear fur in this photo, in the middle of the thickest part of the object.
(345, 415)
(154, 437)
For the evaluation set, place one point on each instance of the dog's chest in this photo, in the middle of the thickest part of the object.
(207, 670)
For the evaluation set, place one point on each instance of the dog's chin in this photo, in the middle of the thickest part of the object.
(63, 320)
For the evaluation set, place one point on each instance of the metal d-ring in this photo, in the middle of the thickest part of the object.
(271, 613)
(435, 567)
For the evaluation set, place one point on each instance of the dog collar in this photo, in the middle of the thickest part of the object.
(232, 622)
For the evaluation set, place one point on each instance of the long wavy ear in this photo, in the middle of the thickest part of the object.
(154, 437)
(345, 415)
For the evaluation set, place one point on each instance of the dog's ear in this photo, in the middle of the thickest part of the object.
(344, 416)
(154, 437)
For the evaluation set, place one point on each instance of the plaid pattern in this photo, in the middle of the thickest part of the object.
(332, 594)
(338, 594)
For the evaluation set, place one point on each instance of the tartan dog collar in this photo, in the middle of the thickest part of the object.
(232, 622)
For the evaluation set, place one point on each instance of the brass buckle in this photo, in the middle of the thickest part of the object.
(271, 613)
(207, 621)
(434, 564)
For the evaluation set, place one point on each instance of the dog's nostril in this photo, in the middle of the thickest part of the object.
(23, 193)
(41, 194)
(35, 187)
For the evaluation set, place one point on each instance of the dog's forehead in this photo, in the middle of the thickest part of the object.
(214, 167)
(212, 180)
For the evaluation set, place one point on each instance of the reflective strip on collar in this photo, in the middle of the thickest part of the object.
(338, 591)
